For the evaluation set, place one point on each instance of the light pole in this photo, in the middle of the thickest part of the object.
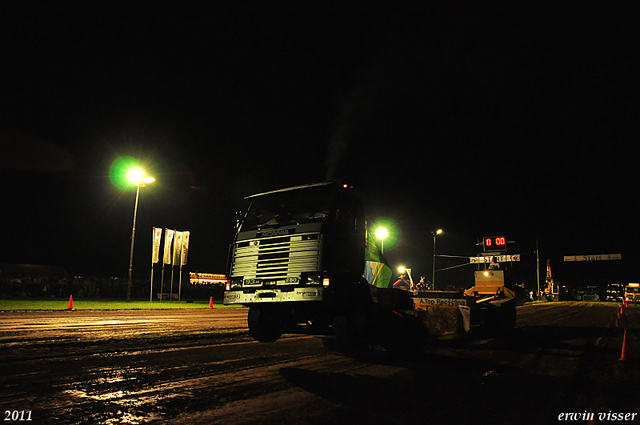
(382, 233)
(137, 177)
(537, 270)
(403, 270)
(433, 278)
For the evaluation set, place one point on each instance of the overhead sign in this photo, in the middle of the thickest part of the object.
(602, 257)
(499, 259)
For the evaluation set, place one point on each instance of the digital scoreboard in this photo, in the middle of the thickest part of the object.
(494, 243)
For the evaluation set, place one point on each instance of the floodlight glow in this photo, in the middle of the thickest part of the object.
(439, 232)
(402, 269)
(386, 232)
(136, 176)
(382, 233)
(119, 169)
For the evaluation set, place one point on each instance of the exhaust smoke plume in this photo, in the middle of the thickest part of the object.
(382, 82)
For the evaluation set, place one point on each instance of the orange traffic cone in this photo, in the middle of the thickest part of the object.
(70, 307)
(627, 351)
(211, 302)
(622, 308)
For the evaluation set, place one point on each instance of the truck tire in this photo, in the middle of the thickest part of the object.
(264, 323)
(350, 330)
(329, 343)
(407, 337)
(510, 317)
(500, 321)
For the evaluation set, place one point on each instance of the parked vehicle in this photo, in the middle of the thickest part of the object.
(632, 292)
(615, 292)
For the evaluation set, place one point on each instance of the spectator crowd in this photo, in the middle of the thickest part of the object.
(28, 285)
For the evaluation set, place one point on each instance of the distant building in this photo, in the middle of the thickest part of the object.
(8, 269)
(197, 278)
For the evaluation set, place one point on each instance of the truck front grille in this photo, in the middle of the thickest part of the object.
(277, 258)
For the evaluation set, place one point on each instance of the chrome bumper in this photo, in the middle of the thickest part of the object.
(273, 296)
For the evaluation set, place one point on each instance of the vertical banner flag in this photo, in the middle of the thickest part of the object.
(155, 253)
(185, 247)
(177, 249)
(376, 270)
(168, 238)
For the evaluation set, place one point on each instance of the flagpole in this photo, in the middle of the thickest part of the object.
(162, 281)
(180, 282)
(171, 288)
(155, 242)
(151, 290)
(184, 250)
(167, 255)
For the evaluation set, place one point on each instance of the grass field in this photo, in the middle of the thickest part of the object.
(99, 304)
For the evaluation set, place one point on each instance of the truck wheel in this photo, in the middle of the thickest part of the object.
(350, 330)
(510, 317)
(329, 343)
(501, 321)
(264, 325)
(407, 338)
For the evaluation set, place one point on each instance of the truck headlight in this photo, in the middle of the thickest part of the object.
(311, 278)
(235, 282)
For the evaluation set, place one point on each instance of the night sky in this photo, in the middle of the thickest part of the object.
(478, 118)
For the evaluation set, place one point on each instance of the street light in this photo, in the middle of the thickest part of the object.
(403, 270)
(137, 177)
(381, 234)
(433, 279)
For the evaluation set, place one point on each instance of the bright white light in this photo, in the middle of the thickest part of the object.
(402, 269)
(135, 176)
(382, 233)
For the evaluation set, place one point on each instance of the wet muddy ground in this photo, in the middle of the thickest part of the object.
(201, 367)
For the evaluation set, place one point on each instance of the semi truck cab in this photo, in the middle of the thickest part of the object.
(297, 259)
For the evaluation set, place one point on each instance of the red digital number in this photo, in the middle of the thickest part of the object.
(495, 242)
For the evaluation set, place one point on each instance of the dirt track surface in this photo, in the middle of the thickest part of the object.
(200, 367)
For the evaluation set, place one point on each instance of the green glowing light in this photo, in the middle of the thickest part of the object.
(119, 170)
(382, 232)
(386, 230)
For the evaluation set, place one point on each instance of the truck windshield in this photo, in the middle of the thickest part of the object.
(290, 207)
